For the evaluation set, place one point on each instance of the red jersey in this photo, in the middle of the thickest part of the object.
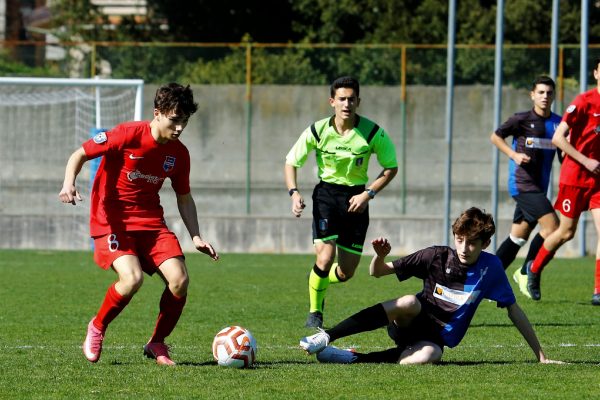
(583, 117)
(131, 173)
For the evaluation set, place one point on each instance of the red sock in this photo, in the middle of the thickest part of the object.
(597, 278)
(542, 259)
(113, 304)
(171, 308)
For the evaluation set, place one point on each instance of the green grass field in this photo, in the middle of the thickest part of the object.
(48, 298)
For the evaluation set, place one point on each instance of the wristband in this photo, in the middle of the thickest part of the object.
(371, 193)
(292, 190)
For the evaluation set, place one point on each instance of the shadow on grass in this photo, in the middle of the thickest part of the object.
(498, 362)
(510, 325)
(257, 365)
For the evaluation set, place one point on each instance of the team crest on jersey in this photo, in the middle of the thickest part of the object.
(100, 137)
(571, 108)
(169, 163)
(597, 129)
(359, 161)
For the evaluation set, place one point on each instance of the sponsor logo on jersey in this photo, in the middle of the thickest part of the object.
(458, 297)
(133, 175)
(344, 148)
(132, 157)
(100, 138)
(169, 163)
(571, 108)
(539, 143)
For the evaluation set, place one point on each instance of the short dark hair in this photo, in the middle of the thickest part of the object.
(345, 82)
(543, 80)
(474, 224)
(597, 61)
(175, 97)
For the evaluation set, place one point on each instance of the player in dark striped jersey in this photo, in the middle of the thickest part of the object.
(455, 281)
(343, 145)
(531, 155)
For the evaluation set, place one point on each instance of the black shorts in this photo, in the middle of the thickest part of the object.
(422, 328)
(531, 206)
(332, 221)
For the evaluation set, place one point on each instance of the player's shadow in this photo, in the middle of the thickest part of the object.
(498, 362)
(257, 365)
(510, 325)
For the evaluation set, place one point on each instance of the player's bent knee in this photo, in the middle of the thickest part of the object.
(421, 353)
(568, 235)
(179, 286)
(129, 284)
(410, 304)
(403, 309)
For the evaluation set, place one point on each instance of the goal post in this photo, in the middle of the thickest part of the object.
(43, 121)
(91, 82)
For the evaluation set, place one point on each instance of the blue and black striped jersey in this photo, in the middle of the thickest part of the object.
(452, 291)
(532, 135)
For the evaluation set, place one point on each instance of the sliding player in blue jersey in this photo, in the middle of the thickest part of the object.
(455, 281)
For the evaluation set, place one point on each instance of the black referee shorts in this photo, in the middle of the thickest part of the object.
(332, 221)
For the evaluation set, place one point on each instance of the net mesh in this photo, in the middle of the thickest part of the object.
(41, 127)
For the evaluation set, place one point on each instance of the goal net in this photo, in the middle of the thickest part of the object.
(43, 121)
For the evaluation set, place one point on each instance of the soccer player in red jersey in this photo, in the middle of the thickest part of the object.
(579, 185)
(127, 223)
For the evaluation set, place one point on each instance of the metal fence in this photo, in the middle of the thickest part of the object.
(255, 99)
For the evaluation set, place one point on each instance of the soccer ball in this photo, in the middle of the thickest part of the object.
(234, 347)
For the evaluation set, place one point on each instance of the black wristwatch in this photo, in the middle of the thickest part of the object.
(292, 190)
(371, 193)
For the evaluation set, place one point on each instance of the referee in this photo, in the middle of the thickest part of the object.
(343, 144)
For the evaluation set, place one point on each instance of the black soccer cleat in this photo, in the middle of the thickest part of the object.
(596, 299)
(533, 283)
(314, 320)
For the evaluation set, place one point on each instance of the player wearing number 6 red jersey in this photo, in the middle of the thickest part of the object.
(127, 222)
(579, 185)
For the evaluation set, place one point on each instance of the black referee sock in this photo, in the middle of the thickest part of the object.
(534, 247)
(365, 320)
(507, 252)
(386, 356)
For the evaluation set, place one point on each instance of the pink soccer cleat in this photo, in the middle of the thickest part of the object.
(158, 351)
(92, 346)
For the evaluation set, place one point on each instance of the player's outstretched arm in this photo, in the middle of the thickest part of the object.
(519, 319)
(378, 266)
(189, 215)
(68, 193)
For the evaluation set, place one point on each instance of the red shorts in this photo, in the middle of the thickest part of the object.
(151, 247)
(573, 200)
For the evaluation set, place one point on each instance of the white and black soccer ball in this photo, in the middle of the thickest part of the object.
(234, 347)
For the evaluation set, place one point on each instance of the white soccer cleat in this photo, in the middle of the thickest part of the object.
(332, 354)
(315, 343)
